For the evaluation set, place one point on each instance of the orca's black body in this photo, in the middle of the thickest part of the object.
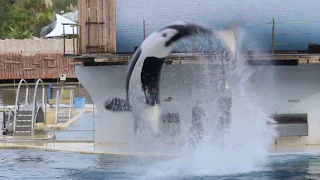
(144, 71)
(152, 65)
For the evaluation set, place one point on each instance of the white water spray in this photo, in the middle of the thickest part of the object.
(243, 149)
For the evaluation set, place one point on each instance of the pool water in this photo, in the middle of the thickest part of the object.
(38, 164)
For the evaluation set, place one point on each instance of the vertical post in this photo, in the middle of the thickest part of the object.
(27, 95)
(73, 43)
(93, 125)
(193, 43)
(272, 35)
(98, 43)
(78, 40)
(57, 102)
(64, 41)
(43, 94)
(70, 103)
(144, 29)
(44, 104)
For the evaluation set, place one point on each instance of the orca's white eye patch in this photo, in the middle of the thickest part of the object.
(168, 33)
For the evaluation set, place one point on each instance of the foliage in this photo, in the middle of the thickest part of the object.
(18, 34)
(21, 19)
(63, 5)
(5, 6)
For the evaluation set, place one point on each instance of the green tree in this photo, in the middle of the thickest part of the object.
(19, 21)
(24, 18)
(63, 5)
(5, 6)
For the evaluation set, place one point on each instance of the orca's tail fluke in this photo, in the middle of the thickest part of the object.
(230, 38)
(117, 104)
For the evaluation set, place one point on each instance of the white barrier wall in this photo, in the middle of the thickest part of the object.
(273, 85)
(277, 85)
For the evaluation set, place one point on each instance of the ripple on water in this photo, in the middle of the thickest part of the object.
(38, 164)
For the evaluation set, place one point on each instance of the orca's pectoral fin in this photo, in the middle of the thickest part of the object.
(117, 104)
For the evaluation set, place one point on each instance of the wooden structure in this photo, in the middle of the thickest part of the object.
(97, 20)
(183, 58)
(41, 65)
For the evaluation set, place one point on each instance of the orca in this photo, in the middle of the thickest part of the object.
(144, 71)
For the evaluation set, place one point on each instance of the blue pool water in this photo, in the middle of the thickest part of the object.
(82, 129)
(38, 164)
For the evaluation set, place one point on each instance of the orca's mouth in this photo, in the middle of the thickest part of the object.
(186, 30)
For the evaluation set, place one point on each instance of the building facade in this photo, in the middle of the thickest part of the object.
(296, 21)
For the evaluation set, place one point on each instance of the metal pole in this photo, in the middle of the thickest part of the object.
(93, 128)
(144, 29)
(98, 48)
(64, 41)
(73, 42)
(70, 104)
(57, 101)
(193, 43)
(44, 104)
(78, 36)
(272, 35)
(27, 94)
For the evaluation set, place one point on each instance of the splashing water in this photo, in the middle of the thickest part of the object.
(244, 148)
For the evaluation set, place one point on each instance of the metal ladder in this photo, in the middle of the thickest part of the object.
(65, 115)
(23, 121)
(20, 120)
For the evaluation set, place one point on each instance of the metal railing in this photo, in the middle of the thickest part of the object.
(17, 104)
(58, 98)
(44, 105)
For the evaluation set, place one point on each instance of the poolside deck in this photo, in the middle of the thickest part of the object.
(42, 135)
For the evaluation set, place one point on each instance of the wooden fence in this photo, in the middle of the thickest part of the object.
(40, 65)
(33, 46)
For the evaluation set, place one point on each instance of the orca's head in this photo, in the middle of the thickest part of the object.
(182, 30)
(161, 42)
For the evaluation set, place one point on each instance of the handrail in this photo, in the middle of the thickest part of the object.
(70, 101)
(34, 103)
(57, 104)
(16, 102)
(58, 97)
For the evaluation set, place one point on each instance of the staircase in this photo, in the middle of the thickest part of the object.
(63, 116)
(23, 126)
(20, 120)
(65, 96)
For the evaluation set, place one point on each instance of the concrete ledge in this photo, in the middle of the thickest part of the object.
(88, 148)
(77, 150)
(61, 126)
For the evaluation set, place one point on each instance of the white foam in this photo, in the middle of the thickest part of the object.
(244, 149)
(151, 117)
(229, 37)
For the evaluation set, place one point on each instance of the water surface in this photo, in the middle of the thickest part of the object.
(38, 164)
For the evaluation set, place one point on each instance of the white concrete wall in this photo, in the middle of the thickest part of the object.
(276, 85)
(273, 86)
(178, 81)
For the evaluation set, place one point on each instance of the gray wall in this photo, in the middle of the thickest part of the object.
(270, 87)
(254, 14)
